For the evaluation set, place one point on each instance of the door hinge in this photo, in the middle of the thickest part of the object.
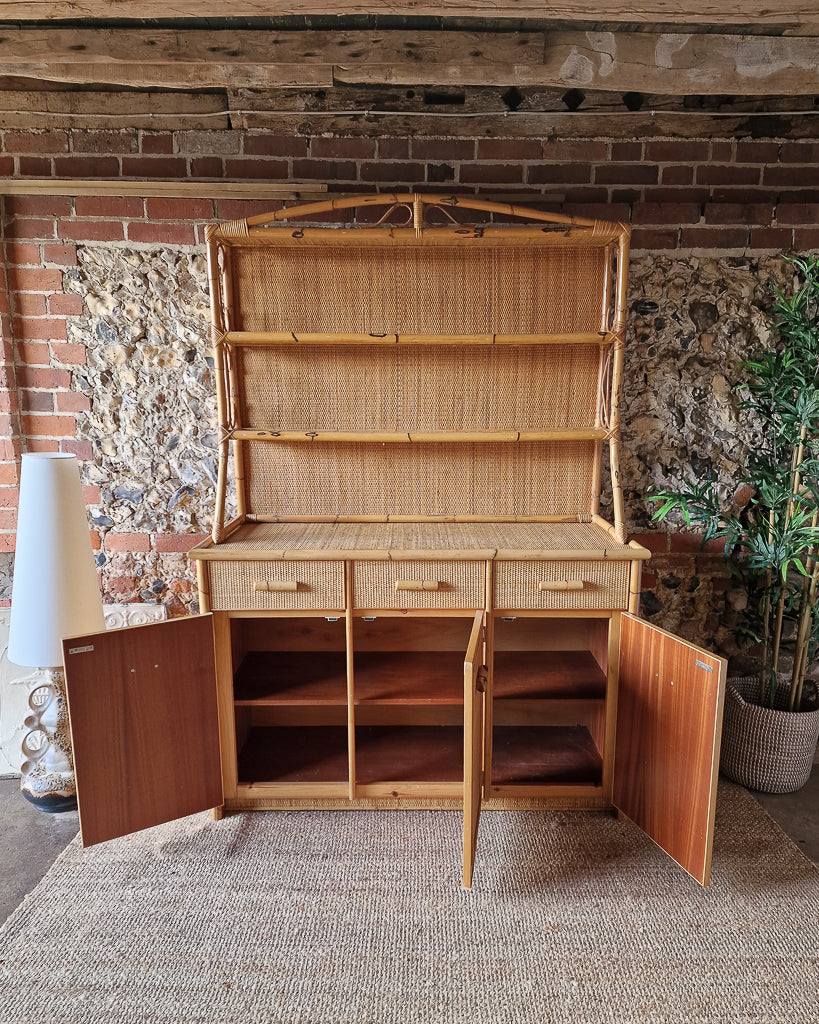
(482, 679)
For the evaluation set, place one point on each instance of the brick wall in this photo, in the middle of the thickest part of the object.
(721, 196)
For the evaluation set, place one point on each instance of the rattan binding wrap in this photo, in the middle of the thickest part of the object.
(329, 479)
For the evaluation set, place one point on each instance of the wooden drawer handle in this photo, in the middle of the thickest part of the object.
(560, 585)
(417, 584)
(275, 586)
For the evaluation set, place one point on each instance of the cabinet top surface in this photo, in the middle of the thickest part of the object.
(487, 540)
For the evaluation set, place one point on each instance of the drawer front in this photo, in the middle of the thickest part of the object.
(274, 586)
(562, 585)
(419, 585)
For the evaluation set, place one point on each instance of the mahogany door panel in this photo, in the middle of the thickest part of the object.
(669, 721)
(144, 725)
(474, 684)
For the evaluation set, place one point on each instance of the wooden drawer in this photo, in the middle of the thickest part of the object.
(263, 586)
(560, 585)
(413, 584)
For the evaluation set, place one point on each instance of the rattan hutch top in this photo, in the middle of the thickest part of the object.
(427, 372)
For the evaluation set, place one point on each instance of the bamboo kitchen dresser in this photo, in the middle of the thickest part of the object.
(417, 602)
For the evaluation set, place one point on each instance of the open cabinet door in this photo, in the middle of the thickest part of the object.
(144, 725)
(474, 686)
(669, 722)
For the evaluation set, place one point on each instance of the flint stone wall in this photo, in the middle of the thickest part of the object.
(152, 421)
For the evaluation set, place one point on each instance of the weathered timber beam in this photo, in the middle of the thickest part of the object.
(152, 110)
(681, 12)
(158, 189)
(658, 63)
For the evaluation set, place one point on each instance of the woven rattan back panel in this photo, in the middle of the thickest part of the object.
(415, 289)
(353, 479)
(418, 388)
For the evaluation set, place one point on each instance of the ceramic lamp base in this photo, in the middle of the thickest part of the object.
(47, 771)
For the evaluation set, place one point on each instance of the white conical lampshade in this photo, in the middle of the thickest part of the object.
(55, 592)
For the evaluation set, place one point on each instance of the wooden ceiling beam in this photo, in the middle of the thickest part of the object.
(680, 12)
(658, 63)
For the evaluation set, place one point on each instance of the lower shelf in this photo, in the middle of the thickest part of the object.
(394, 753)
(294, 754)
(545, 755)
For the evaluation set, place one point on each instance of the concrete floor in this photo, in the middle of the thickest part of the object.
(30, 840)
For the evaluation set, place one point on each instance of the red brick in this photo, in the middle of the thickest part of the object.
(590, 194)
(8, 519)
(38, 206)
(33, 354)
(714, 238)
(738, 213)
(92, 230)
(72, 401)
(34, 166)
(9, 474)
(275, 145)
(652, 239)
(91, 494)
(7, 166)
(626, 174)
(505, 149)
(75, 355)
(493, 173)
(96, 540)
(798, 214)
(626, 151)
(179, 209)
(655, 542)
(558, 174)
(28, 227)
(721, 584)
(722, 152)
(127, 541)
(683, 151)
(35, 279)
(334, 149)
(41, 377)
(159, 143)
(598, 211)
(325, 170)
(9, 497)
(581, 152)
(177, 541)
(7, 544)
(65, 305)
(108, 206)
(728, 174)
(256, 169)
(627, 195)
(757, 153)
(37, 401)
(49, 426)
(805, 238)
(677, 174)
(36, 142)
(237, 209)
(742, 195)
(692, 542)
(393, 171)
(29, 304)
(84, 450)
(207, 167)
(798, 195)
(799, 153)
(154, 167)
(666, 213)
(31, 329)
(64, 255)
(173, 234)
(648, 580)
(796, 176)
(771, 238)
(86, 166)
(22, 254)
(394, 149)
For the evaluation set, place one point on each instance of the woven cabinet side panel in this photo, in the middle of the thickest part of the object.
(352, 479)
(415, 289)
(418, 388)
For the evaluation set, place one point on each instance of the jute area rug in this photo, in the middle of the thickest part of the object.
(330, 917)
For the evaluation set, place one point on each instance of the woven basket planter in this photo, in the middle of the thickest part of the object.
(767, 749)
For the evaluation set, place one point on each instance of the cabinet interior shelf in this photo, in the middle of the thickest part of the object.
(544, 755)
(551, 675)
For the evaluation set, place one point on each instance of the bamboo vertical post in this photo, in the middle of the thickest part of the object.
(218, 330)
(348, 633)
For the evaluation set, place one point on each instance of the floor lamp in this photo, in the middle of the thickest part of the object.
(55, 593)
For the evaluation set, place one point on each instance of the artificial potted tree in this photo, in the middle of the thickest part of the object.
(771, 720)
